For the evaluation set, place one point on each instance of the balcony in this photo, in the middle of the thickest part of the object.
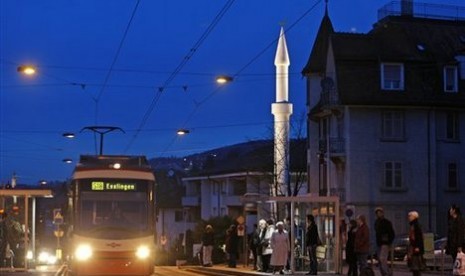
(422, 10)
(191, 201)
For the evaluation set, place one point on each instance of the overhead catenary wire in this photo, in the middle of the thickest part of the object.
(243, 68)
(176, 71)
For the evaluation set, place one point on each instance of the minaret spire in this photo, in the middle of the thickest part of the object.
(282, 111)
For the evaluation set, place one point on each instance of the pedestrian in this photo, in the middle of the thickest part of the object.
(362, 243)
(351, 258)
(455, 233)
(3, 239)
(208, 240)
(280, 244)
(416, 249)
(312, 241)
(266, 245)
(232, 245)
(384, 238)
(254, 243)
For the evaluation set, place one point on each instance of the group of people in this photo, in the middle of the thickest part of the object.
(358, 242)
(270, 246)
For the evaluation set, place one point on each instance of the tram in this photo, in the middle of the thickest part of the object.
(113, 221)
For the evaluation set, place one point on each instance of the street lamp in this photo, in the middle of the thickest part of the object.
(69, 135)
(222, 79)
(26, 69)
(182, 131)
(68, 160)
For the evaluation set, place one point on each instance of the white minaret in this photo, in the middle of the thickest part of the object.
(282, 111)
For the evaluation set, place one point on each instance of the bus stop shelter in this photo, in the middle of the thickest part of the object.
(26, 195)
(327, 213)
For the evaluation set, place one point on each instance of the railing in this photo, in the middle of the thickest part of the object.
(422, 10)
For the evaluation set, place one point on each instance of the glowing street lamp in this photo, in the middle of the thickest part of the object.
(27, 69)
(68, 160)
(69, 135)
(182, 131)
(223, 79)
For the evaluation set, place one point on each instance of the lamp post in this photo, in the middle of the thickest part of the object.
(102, 130)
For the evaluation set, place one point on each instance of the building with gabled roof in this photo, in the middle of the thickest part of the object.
(387, 113)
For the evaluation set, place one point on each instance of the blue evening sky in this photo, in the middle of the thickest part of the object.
(75, 43)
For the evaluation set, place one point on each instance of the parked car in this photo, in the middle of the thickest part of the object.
(400, 245)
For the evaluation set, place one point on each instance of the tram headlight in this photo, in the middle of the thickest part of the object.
(143, 252)
(83, 252)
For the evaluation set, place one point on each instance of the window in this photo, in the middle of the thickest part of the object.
(452, 176)
(452, 126)
(392, 125)
(392, 76)
(393, 175)
(450, 79)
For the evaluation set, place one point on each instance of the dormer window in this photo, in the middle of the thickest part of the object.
(392, 76)
(450, 79)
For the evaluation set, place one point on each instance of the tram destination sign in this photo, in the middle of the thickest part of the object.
(113, 186)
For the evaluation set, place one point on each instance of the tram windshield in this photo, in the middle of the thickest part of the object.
(105, 208)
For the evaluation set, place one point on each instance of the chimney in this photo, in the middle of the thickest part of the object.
(406, 8)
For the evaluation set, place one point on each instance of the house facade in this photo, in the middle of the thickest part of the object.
(386, 117)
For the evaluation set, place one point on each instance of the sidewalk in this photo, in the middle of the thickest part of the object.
(241, 270)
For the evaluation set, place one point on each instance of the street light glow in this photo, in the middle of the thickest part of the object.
(68, 160)
(182, 131)
(223, 79)
(69, 135)
(27, 69)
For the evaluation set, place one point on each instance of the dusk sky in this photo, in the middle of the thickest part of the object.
(148, 67)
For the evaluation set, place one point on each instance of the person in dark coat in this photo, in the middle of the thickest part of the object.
(208, 240)
(3, 239)
(232, 245)
(254, 244)
(312, 241)
(362, 242)
(455, 233)
(384, 238)
(416, 248)
(351, 257)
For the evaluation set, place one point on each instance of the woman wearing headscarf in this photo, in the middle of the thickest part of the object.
(416, 249)
(280, 244)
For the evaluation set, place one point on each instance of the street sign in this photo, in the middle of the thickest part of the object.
(57, 217)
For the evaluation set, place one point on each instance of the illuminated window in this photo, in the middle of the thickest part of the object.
(450, 79)
(392, 76)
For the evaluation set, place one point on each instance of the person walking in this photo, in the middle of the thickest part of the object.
(416, 249)
(351, 257)
(280, 244)
(455, 233)
(384, 238)
(362, 243)
(312, 241)
(208, 240)
(232, 245)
